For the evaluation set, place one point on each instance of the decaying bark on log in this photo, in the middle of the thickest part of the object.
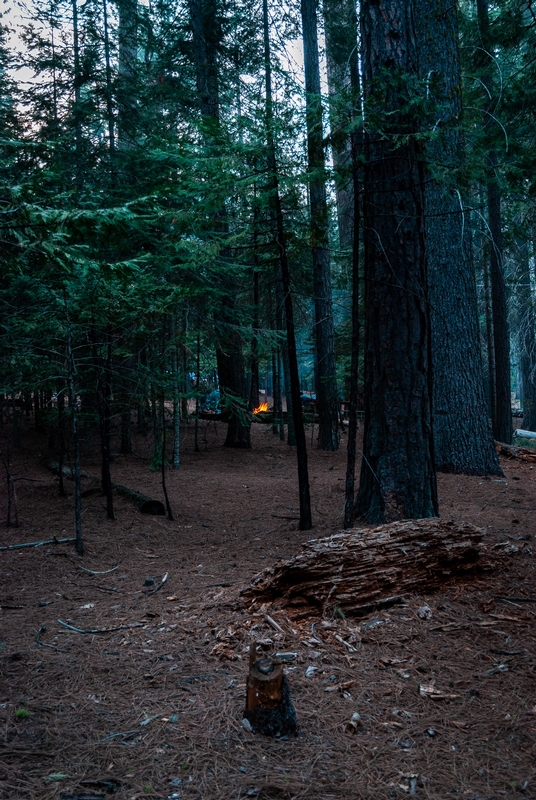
(144, 504)
(511, 451)
(363, 569)
(269, 709)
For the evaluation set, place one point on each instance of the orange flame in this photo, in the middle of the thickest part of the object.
(259, 409)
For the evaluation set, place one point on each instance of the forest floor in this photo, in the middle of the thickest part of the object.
(153, 707)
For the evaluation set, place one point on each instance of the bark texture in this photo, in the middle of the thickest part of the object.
(463, 439)
(397, 473)
(326, 388)
(363, 569)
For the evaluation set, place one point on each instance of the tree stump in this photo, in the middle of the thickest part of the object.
(269, 709)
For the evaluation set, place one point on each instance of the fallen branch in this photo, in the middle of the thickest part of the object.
(156, 588)
(101, 630)
(36, 544)
(362, 569)
(38, 633)
(95, 572)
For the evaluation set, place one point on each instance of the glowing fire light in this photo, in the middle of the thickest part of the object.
(261, 408)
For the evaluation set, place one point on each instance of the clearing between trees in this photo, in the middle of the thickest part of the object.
(118, 683)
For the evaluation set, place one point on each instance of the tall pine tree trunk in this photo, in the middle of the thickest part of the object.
(526, 337)
(127, 35)
(305, 523)
(397, 472)
(463, 439)
(502, 423)
(328, 406)
(340, 24)
(206, 32)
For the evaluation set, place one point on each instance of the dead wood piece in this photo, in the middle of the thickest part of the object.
(98, 572)
(511, 451)
(101, 630)
(521, 434)
(35, 544)
(362, 569)
(156, 588)
(144, 504)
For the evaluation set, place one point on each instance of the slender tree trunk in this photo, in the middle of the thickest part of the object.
(305, 523)
(61, 454)
(206, 32)
(526, 337)
(281, 326)
(109, 103)
(77, 111)
(175, 460)
(463, 439)
(328, 404)
(254, 388)
(73, 405)
(197, 382)
(340, 24)
(349, 503)
(163, 458)
(276, 393)
(127, 36)
(397, 472)
(502, 423)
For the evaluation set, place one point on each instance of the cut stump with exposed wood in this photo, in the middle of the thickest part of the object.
(363, 569)
(269, 709)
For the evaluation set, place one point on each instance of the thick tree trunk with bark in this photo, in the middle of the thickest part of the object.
(326, 387)
(463, 439)
(364, 569)
(397, 472)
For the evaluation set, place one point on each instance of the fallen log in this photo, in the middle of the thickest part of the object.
(360, 570)
(511, 451)
(521, 434)
(144, 504)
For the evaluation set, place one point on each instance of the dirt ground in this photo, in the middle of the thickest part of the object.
(153, 706)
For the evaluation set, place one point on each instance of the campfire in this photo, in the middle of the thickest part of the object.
(261, 408)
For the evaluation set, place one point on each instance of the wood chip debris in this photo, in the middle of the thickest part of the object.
(429, 690)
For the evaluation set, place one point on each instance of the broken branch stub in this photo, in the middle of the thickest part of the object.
(364, 569)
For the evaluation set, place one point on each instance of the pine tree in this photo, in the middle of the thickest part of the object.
(397, 472)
